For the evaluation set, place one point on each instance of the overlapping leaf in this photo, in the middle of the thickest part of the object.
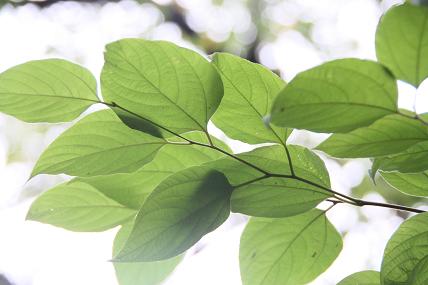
(402, 42)
(250, 89)
(415, 184)
(131, 189)
(77, 206)
(98, 144)
(169, 85)
(51, 90)
(141, 273)
(368, 277)
(406, 248)
(412, 160)
(182, 209)
(338, 96)
(292, 250)
(388, 135)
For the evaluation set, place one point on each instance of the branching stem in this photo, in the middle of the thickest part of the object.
(338, 197)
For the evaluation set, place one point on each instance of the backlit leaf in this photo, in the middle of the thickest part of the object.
(50, 90)
(288, 251)
(179, 212)
(402, 42)
(337, 96)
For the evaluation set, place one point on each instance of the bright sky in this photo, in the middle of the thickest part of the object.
(37, 254)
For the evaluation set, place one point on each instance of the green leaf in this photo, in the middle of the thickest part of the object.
(98, 144)
(337, 96)
(412, 160)
(249, 91)
(51, 90)
(388, 135)
(140, 273)
(402, 42)
(169, 85)
(140, 124)
(415, 184)
(368, 277)
(292, 250)
(179, 212)
(131, 189)
(276, 198)
(406, 248)
(77, 206)
(420, 273)
(274, 160)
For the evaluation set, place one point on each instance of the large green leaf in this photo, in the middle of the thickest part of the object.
(284, 251)
(51, 90)
(420, 273)
(77, 206)
(406, 248)
(388, 135)
(412, 160)
(273, 159)
(131, 189)
(140, 273)
(415, 184)
(337, 96)
(98, 144)
(169, 85)
(180, 211)
(249, 91)
(368, 277)
(276, 197)
(402, 42)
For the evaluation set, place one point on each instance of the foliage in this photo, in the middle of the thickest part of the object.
(149, 164)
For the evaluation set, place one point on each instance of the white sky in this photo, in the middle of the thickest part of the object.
(37, 254)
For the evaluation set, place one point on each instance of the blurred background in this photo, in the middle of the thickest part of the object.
(288, 36)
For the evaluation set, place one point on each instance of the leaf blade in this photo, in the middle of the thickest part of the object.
(287, 250)
(51, 90)
(183, 208)
(338, 96)
(150, 78)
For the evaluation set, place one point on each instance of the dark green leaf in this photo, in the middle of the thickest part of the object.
(140, 273)
(406, 248)
(338, 96)
(284, 251)
(249, 90)
(98, 144)
(388, 135)
(181, 210)
(369, 277)
(402, 42)
(415, 184)
(412, 160)
(169, 85)
(51, 90)
(77, 206)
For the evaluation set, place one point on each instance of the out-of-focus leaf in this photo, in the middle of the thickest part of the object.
(368, 277)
